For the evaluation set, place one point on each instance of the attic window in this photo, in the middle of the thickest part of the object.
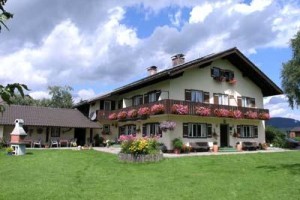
(215, 72)
(222, 74)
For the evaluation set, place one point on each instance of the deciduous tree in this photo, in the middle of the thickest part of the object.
(290, 74)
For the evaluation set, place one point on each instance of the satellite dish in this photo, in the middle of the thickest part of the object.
(93, 116)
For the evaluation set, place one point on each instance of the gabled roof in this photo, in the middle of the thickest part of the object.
(44, 116)
(295, 129)
(233, 55)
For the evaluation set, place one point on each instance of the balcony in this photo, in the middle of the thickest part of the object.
(189, 108)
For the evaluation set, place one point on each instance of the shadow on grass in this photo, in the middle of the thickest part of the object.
(29, 153)
(292, 168)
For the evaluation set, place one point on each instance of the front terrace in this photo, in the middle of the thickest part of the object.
(169, 106)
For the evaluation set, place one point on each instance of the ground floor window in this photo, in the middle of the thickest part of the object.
(197, 130)
(247, 131)
(151, 129)
(127, 130)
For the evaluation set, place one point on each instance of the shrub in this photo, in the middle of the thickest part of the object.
(177, 143)
(275, 137)
(297, 138)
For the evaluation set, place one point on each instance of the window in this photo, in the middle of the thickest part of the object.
(55, 132)
(107, 105)
(246, 102)
(120, 104)
(221, 99)
(247, 131)
(106, 129)
(197, 130)
(215, 72)
(127, 130)
(137, 100)
(152, 129)
(197, 96)
(218, 73)
(152, 96)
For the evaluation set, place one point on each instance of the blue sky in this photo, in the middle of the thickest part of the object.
(96, 46)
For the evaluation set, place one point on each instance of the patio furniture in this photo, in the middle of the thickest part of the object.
(199, 146)
(54, 142)
(73, 142)
(64, 142)
(249, 146)
(37, 143)
(28, 142)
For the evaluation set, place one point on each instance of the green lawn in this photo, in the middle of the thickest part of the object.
(67, 174)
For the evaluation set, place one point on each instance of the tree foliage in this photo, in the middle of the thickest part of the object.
(9, 91)
(290, 74)
(61, 97)
(4, 15)
(275, 136)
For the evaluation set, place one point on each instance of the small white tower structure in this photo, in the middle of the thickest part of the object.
(17, 138)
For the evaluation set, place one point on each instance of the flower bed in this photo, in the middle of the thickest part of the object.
(157, 109)
(179, 109)
(202, 111)
(139, 149)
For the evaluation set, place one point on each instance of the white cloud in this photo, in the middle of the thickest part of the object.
(84, 94)
(40, 95)
(176, 19)
(199, 13)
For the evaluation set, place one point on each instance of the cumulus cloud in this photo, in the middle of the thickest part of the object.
(76, 43)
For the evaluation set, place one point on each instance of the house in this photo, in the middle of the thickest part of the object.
(44, 123)
(216, 98)
(294, 132)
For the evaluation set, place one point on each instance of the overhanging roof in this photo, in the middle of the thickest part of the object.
(44, 116)
(233, 55)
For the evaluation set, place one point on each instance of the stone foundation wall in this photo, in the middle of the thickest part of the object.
(140, 158)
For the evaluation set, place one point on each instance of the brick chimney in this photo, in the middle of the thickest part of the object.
(177, 59)
(152, 70)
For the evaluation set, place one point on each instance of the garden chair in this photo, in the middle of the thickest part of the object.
(73, 142)
(38, 143)
(54, 142)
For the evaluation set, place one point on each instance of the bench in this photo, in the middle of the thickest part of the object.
(199, 146)
(249, 146)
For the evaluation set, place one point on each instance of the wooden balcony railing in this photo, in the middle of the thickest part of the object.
(262, 114)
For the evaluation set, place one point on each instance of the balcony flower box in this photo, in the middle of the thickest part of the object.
(222, 112)
(203, 111)
(237, 114)
(264, 116)
(157, 109)
(250, 115)
(179, 109)
(122, 115)
(144, 112)
(132, 113)
(232, 81)
(113, 116)
(167, 125)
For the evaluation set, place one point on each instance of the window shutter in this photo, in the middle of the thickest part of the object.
(208, 130)
(101, 105)
(255, 129)
(188, 95)
(185, 130)
(216, 99)
(239, 101)
(206, 97)
(158, 92)
(144, 131)
(113, 105)
(252, 101)
(238, 127)
(146, 99)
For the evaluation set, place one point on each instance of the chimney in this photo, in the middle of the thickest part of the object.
(178, 59)
(152, 70)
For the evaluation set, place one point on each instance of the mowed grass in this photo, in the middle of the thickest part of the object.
(68, 174)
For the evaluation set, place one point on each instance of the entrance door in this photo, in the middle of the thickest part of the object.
(80, 135)
(224, 135)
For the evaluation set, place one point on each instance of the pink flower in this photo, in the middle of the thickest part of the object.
(113, 116)
(132, 113)
(179, 109)
(251, 115)
(157, 109)
(221, 112)
(264, 116)
(144, 111)
(122, 115)
(202, 111)
(237, 114)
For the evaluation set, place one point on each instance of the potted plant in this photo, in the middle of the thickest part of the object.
(157, 109)
(180, 109)
(215, 147)
(238, 146)
(9, 151)
(177, 145)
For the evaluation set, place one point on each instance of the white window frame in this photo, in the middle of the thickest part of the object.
(195, 128)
